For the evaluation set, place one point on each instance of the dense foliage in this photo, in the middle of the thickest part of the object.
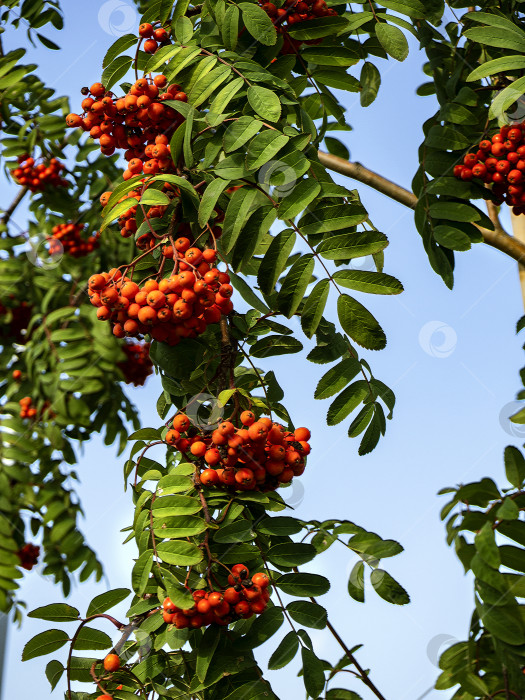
(222, 226)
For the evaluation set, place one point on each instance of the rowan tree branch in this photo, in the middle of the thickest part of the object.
(497, 239)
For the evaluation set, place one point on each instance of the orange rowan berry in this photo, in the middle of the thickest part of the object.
(112, 662)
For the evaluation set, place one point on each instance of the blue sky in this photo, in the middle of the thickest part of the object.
(452, 359)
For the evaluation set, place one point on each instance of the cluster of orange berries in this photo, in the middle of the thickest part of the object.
(68, 238)
(137, 366)
(244, 598)
(294, 12)
(179, 306)
(28, 556)
(16, 319)
(38, 176)
(27, 410)
(155, 38)
(139, 123)
(259, 456)
(500, 162)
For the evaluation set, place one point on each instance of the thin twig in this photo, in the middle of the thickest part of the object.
(16, 201)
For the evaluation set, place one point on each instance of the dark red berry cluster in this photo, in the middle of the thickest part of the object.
(260, 455)
(137, 366)
(294, 12)
(28, 556)
(245, 597)
(38, 176)
(68, 238)
(500, 162)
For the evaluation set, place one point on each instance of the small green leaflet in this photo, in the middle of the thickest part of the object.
(356, 582)
(285, 652)
(275, 345)
(230, 27)
(313, 308)
(412, 8)
(183, 29)
(179, 553)
(370, 282)
(451, 237)
(329, 56)
(248, 294)
(485, 543)
(44, 643)
(317, 28)
(238, 531)
(313, 673)
(514, 466)
(264, 147)
(163, 54)
(206, 649)
(498, 65)
(337, 78)
(275, 260)
(337, 378)
(497, 36)
(238, 211)
(258, 23)
(122, 44)
(345, 246)
(209, 199)
(264, 102)
(240, 131)
(295, 284)
(106, 601)
(181, 60)
(58, 612)
(359, 323)
(116, 70)
(299, 198)
(370, 80)
(308, 614)
(206, 85)
(141, 571)
(392, 40)
(347, 401)
(54, 671)
(89, 638)
(179, 595)
(388, 588)
(225, 96)
(155, 197)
